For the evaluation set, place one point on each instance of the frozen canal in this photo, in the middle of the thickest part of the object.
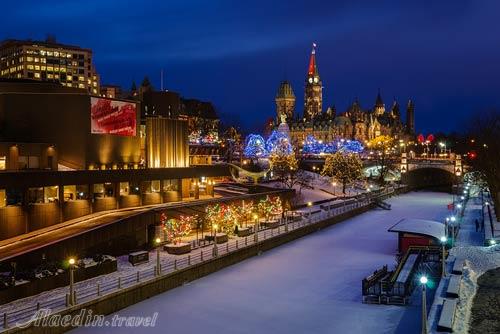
(311, 285)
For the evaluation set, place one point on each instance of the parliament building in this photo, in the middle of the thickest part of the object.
(355, 123)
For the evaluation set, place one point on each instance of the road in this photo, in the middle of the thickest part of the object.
(311, 285)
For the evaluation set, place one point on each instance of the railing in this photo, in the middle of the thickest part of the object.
(205, 253)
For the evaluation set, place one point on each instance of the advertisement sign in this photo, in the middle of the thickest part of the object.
(112, 117)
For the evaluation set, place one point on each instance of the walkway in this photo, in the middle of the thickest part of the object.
(467, 235)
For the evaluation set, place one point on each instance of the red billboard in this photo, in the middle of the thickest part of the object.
(112, 117)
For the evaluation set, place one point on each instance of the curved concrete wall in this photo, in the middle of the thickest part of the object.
(104, 203)
(12, 222)
(76, 208)
(151, 198)
(171, 196)
(41, 215)
(128, 201)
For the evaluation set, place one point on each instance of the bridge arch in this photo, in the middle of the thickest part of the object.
(430, 177)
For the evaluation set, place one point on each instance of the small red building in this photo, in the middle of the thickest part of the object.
(418, 232)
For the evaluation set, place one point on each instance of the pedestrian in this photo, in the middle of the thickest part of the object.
(477, 225)
(482, 224)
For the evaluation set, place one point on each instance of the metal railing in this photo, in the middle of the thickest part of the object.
(167, 267)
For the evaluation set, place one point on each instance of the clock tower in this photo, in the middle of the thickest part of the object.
(313, 97)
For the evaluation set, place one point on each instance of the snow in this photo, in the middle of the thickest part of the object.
(311, 285)
(478, 260)
(322, 189)
(420, 226)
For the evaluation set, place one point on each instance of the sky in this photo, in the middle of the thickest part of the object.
(444, 55)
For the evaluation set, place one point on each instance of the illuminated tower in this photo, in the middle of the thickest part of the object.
(313, 99)
(410, 117)
(285, 101)
(379, 108)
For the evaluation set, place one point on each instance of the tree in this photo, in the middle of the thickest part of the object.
(255, 147)
(286, 171)
(383, 146)
(175, 229)
(222, 216)
(483, 133)
(344, 168)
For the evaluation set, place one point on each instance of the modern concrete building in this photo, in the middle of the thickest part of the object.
(49, 61)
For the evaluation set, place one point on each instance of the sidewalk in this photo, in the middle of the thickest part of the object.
(467, 235)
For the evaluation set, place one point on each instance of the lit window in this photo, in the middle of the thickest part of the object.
(63, 69)
(29, 58)
(63, 54)
(30, 67)
(37, 67)
(69, 55)
(56, 76)
(50, 53)
(80, 78)
(81, 85)
(94, 84)
(89, 81)
(50, 68)
(37, 60)
(43, 60)
(69, 77)
(94, 91)
(43, 68)
(56, 54)
(50, 76)
(37, 75)
(43, 52)
(3, 164)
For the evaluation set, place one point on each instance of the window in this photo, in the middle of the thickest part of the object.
(37, 60)
(29, 58)
(37, 75)
(81, 86)
(3, 162)
(80, 78)
(37, 67)
(30, 67)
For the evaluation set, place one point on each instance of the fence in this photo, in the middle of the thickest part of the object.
(199, 255)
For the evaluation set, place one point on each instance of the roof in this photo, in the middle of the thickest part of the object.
(49, 44)
(430, 228)
(285, 90)
(313, 67)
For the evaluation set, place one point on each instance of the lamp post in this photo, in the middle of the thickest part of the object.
(256, 234)
(453, 219)
(157, 244)
(216, 250)
(71, 262)
(334, 184)
(423, 282)
(309, 205)
(443, 266)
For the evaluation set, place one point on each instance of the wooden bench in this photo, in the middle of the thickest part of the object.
(453, 286)
(458, 266)
(447, 317)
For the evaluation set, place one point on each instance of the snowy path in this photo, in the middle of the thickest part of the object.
(468, 236)
(312, 285)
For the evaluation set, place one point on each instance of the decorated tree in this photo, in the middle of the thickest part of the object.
(175, 229)
(221, 215)
(243, 213)
(278, 143)
(344, 168)
(285, 169)
(270, 206)
(383, 148)
(255, 147)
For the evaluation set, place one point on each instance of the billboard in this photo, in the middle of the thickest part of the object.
(112, 117)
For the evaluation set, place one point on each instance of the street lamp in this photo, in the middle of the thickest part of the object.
(157, 244)
(256, 234)
(493, 242)
(71, 262)
(334, 184)
(423, 282)
(309, 205)
(216, 250)
(443, 266)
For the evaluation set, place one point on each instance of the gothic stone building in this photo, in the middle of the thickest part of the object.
(354, 123)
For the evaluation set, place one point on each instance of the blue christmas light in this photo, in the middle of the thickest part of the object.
(255, 146)
(278, 143)
(313, 146)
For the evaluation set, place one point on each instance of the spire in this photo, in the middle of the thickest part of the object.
(379, 101)
(313, 68)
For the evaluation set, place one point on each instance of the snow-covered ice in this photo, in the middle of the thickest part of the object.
(311, 285)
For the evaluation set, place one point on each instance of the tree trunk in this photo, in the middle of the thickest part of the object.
(343, 187)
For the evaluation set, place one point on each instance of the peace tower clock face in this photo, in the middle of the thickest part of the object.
(310, 80)
(316, 79)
